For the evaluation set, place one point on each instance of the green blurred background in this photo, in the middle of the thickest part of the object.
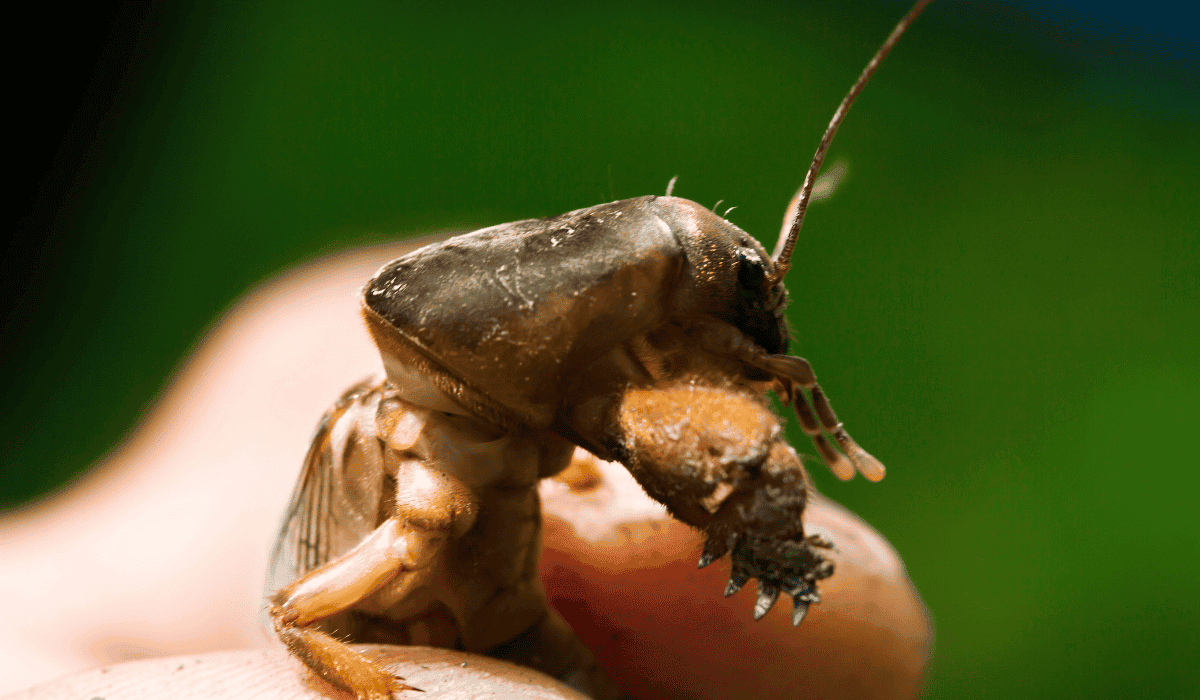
(1003, 296)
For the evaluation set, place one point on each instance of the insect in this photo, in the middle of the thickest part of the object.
(645, 331)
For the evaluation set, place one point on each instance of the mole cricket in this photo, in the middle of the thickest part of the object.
(645, 331)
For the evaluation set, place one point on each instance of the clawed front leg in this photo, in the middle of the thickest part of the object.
(761, 527)
(715, 456)
(791, 566)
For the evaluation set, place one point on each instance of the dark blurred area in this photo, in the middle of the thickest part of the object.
(1001, 298)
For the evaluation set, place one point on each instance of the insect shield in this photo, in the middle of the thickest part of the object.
(646, 331)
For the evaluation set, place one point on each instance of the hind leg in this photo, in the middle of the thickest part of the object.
(432, 507)
(331, 589)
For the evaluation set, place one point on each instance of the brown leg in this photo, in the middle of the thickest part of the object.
(723, 339)
(335, 587)
(340, 665)
(867, 465)
(431, 508)
(798, 369)
(838, 464)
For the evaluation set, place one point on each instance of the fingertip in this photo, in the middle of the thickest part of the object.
(661, 629)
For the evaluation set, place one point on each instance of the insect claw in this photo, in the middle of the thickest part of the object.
(803, 596)
(713, 550)
(799, 610)
(736, 580)
(767, 595)
(818, 540)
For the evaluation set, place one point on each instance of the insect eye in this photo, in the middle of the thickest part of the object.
(751, 274)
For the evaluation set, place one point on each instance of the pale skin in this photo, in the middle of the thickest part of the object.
(171, 535)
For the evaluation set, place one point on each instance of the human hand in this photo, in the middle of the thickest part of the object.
(162, 548)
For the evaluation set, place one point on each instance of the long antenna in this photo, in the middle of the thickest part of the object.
(782, 256)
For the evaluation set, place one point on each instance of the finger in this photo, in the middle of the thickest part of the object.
(174, 527)
(224, 440)
(241, 675)
(623, 573)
